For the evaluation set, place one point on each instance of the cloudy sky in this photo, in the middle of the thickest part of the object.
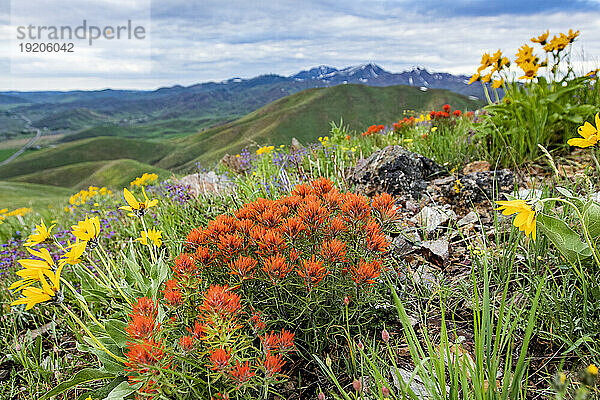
(188, 41)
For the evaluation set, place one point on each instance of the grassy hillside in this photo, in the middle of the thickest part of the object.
(158, 130)
(19, 194)
(71, 119)
(115, 174)
(96, 149)
(306, 116)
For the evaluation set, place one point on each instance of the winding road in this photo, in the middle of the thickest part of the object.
(28, 145)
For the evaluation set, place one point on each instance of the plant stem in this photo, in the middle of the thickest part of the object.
(91, 335)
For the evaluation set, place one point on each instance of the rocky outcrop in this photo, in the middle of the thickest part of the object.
(396, 171)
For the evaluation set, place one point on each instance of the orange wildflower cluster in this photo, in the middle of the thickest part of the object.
(300, 238)
(445, 113)
(145, 353)
(373, 129)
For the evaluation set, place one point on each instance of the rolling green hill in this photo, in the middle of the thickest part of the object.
(77, 118)
(20, 194)
(306, 116)
(115, 174)
(116, 160)
(96, 149)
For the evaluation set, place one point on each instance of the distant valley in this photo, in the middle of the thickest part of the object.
(178, 110)
(109, 137)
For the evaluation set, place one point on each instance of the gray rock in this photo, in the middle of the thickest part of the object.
(207, 182)
(405, 243)
(396, 171)
(480, 186)
(432, 217)
(470, 218)
(424, 276)
(402, 377)
(436, 251)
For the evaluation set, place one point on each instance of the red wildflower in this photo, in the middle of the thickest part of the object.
(312, 214)
(186, 343)
(302, 190)
(366, 272)
(140, 356)
(270, 341)
(270, 243)
(219, 358)
(276, 267)
(257, 322)
(244, 226)
(194, 238)
(333, 251)
(272, 364)
(230, 245)
(286, 340)
(444, 114)
(292, 227)
(447, 108)
(241, 373)
(243, 267)
(384, 205)
(457, 113)
(322, 186)
(432, 114)
(141, 327)
(198, 330)
(336, 226)
(470, 114)
(312, 271)
(355, 208)
(184, 265)
(220, 300)
(172, 294)
(146, 307)
(204, 256)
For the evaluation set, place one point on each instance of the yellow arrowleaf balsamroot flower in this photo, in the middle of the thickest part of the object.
(525, 219)
(73, 254)
(589, 134)
(144, 180)
(476, 77)
(497, 83)
(34, 270)
(41, 235)
(137, 208)
(87, 230)
(530, 69)
(265, 150)
(542, 38)
(33, 296)
(151, 235)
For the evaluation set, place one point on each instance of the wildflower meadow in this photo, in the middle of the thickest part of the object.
(292, 281)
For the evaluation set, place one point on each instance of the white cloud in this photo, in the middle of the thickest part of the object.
(193, 42)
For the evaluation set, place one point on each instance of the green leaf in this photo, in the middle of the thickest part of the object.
(566, 240)
(122, 391)
(83, 376)
(116, 330)
(102, 392)
(591, 219)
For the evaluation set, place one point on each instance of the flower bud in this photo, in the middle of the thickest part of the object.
(385, 336)
(357, 385)
(360, 346)
(321, 396)
(385, 392)
(328, 361)
(346, 300)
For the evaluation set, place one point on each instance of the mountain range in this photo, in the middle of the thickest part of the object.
(201, 105)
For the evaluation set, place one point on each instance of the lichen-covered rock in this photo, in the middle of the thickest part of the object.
(480, 186)
(206, 182)
(396, 171)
